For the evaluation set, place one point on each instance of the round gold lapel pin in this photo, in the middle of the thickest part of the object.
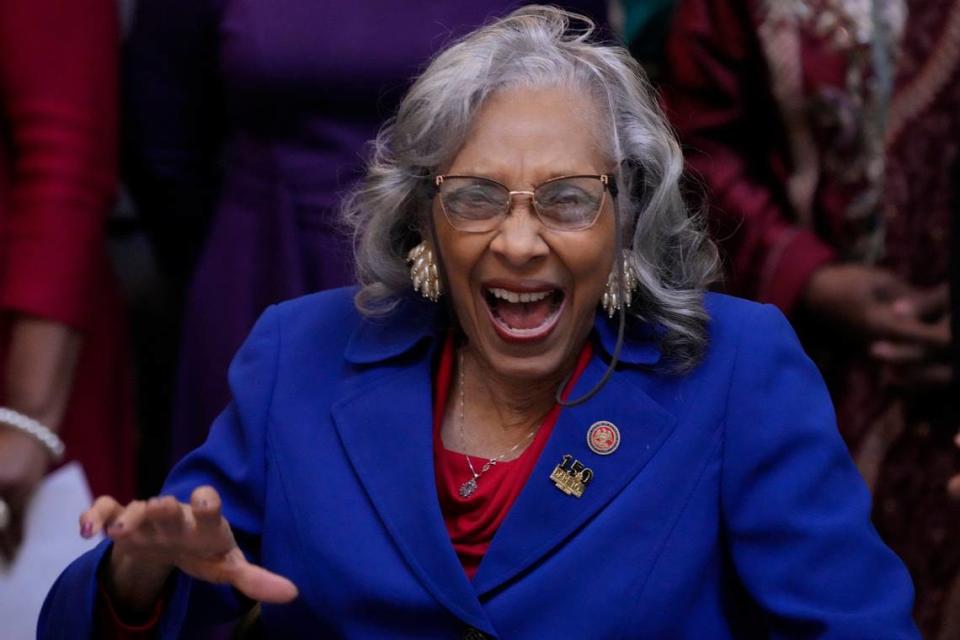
(603, 438)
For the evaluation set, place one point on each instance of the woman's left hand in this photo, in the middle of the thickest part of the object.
(920, 364)
(23, 462)
(38, 377)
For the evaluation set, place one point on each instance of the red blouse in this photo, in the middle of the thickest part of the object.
(472, 522)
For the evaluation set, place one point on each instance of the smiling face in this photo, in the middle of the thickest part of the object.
(526, 295)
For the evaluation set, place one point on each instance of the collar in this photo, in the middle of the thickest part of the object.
(416, 320)
(641, 340)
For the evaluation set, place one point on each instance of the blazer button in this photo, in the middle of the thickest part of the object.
(472, 633)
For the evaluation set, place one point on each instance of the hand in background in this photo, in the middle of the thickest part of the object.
(920, 364)
(23, 462)
(152, 538)
(38, 378)
(906, 329)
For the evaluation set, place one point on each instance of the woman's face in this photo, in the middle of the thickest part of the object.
(522, 137)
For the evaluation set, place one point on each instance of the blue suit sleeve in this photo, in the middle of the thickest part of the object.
(233, 460)
(795, 509)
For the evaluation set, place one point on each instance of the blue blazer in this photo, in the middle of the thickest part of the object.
(730, 510)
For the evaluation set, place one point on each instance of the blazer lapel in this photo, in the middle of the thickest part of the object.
(384, 420)
(543, 516)
(384, 417)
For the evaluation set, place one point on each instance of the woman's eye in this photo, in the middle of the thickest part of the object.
(566, 198)
(478, 197)
(474, 202)
(472, 196)
(569, 198)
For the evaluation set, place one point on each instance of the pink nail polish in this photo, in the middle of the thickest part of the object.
(86, 529)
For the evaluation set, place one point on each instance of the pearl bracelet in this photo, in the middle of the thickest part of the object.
(31, 427)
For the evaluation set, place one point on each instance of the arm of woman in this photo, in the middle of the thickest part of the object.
(58, 86)
(39, 372)
(796, 511)
(202, 536)
(57, 104)
(718, 98)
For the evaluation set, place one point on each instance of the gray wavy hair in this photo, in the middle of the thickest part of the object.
(388, 210)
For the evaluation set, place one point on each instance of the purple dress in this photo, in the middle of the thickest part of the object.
(246, 122)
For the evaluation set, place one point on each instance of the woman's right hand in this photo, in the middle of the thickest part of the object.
(153, 537)
(869, 302)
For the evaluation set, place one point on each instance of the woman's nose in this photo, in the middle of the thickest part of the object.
(519, 238)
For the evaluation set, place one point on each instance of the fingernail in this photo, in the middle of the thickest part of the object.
(86, 529)
(116, 526)
(203, 504)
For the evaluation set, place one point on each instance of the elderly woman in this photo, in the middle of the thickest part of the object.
(530, 421)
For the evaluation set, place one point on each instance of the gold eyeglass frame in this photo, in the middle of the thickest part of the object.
(608, 181)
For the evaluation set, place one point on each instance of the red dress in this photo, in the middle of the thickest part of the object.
(58, 99)
(820, 137)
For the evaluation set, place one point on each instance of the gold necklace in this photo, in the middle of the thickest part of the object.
(469, 487)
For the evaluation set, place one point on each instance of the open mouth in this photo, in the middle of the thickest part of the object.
(523, 315)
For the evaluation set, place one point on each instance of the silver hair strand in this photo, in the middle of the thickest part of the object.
(673, 256)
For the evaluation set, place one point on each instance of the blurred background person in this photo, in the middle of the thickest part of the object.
(64, 374)
(245, 121)
(825, 132)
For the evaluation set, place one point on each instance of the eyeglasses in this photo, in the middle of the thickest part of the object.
(567, 203)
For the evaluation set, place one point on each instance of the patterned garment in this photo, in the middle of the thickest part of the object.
(829, 130)
(911, 509)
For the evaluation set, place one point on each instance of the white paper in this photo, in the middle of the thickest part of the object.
(51, 541)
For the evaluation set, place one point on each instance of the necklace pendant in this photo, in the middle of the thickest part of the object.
(468, 487)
